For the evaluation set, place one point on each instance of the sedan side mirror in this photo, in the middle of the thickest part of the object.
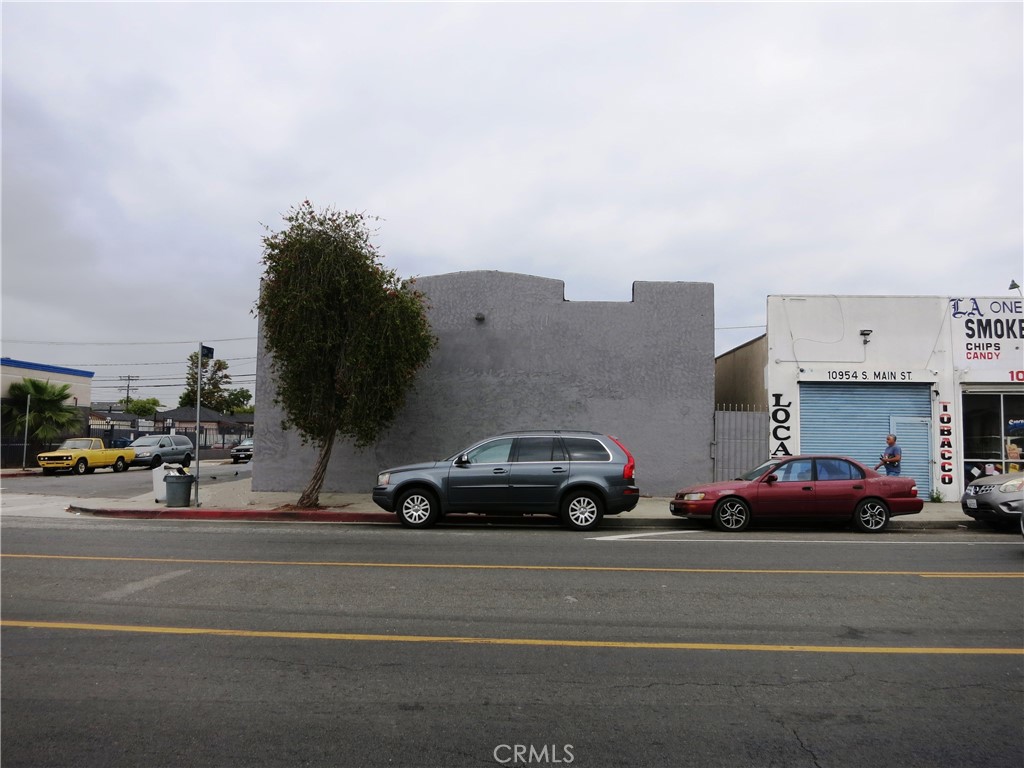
(771, 479)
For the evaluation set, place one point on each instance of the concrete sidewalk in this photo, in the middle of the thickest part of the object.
(235, 500)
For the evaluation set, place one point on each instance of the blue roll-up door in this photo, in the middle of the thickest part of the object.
(853, 419)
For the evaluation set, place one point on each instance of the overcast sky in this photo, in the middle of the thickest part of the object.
(798, 148)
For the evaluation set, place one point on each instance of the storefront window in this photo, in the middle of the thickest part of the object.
(1013, 432)
(993, 427)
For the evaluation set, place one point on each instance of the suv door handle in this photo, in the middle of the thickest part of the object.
(498, 471)
(558, 470)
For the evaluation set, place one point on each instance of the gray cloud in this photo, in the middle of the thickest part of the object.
(777, 148)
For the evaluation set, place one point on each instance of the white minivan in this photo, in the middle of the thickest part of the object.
(154, 450)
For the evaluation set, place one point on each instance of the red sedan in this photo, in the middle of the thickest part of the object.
(801, 487)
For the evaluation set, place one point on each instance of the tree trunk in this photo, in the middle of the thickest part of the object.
(310, 497)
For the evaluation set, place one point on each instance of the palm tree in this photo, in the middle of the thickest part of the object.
(49, 415)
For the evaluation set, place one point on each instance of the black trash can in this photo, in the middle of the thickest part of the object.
(179, 490)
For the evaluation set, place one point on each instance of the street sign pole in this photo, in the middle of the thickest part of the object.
(24, 447)
(205, 353)
(199, 400)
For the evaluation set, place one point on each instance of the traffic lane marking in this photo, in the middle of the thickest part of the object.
(554, 568)
(509, 641)
(645, 538)
(139, 586)
(624, 536)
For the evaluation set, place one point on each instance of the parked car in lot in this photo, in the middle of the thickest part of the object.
(996, 499)
(242, 451)
(153, 450)
(802, 487)
(84, 455)
(576, 476)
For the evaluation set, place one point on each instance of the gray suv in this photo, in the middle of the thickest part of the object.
(576, 476)
(153, 450)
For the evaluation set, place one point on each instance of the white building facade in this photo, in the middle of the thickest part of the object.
(80, 382)
(946, 375)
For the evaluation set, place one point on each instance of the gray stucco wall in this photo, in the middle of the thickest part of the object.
(641, 370)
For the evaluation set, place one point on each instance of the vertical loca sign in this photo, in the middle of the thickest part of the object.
(782, 431)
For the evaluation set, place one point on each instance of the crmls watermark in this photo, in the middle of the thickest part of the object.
(529, 754)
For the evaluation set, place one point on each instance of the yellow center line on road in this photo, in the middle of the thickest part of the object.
(493, 567)
(508, 641)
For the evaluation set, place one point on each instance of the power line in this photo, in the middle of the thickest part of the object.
(167, 378)
(118, 343)
(172, 362)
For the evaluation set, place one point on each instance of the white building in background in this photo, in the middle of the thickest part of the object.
(79, 381)
(946, 375)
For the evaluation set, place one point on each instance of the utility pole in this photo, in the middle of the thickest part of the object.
(127, 390)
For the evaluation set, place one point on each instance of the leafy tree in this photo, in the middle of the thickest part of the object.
(345, 334)
(215, 393)
(145, 407)
(49, 415)
(237, 401)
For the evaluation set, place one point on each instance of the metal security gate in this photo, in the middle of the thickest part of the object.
(853, 419)
(741, 441)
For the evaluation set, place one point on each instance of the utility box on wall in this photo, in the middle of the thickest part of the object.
(514, 354)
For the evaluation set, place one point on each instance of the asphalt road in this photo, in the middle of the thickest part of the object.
(207, 644)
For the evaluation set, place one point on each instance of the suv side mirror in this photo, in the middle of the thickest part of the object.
(463, 461)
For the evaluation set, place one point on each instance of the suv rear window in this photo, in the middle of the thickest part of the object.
(586, 449)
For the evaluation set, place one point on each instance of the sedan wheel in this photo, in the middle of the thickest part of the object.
(417, 509)
(732, 515)
(872, 516)
(582, 511)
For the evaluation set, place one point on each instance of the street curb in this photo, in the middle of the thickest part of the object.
(389, 518)
(254, 515)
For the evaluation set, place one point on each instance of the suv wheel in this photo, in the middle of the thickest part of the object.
(582, 511)
(417, 509)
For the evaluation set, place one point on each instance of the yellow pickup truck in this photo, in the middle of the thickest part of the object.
(83, 455)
